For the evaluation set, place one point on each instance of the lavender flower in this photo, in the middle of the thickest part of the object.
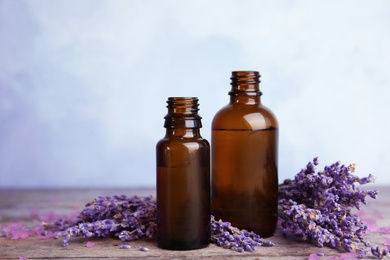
(317, 206)
(227, 236)
(128, 218)
(142, 248)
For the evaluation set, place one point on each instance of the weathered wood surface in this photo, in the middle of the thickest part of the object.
(17, 204)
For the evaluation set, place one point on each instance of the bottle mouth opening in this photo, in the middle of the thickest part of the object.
(246, 72)
(179, 99)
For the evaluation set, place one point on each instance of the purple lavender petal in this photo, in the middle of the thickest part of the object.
(145, 249)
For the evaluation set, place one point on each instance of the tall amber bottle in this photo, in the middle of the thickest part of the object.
(244, 149)
(183, 179)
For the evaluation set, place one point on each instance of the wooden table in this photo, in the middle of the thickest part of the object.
(17, 204)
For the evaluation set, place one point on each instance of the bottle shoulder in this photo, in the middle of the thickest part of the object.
(180, 142)
(244, 117)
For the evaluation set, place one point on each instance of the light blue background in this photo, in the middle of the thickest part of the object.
(83, 84)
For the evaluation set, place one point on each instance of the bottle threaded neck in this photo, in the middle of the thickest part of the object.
(182, 113)
(183, 105)
(245, 81)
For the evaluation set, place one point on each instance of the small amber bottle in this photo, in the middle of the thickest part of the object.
(183, 179)
(244, 148)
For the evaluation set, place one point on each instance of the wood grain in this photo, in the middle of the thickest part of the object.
(17, 204)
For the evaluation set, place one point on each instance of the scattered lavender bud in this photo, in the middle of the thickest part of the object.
(379, 252)
(90, 244)
(124, 247)
(145, 249)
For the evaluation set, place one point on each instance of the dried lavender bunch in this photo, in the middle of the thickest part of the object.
(130, 218)
(127, 218)
(317, 206)
(227, 236)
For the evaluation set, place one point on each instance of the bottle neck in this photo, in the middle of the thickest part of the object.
(183, 132)
(182, 119)
(245, 87)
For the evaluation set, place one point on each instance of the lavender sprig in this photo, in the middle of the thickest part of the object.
(127, 218)
(227, 236)
(317, 206)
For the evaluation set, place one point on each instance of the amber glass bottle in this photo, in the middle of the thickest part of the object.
(244, 148)
(183, 179)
